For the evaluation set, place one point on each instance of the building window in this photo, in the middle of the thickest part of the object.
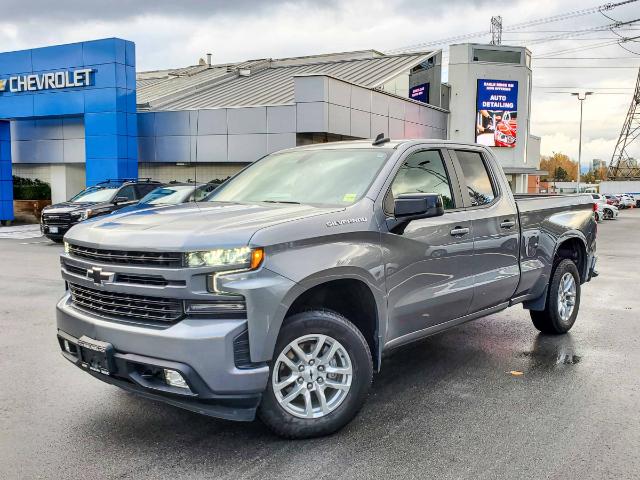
(496, 56)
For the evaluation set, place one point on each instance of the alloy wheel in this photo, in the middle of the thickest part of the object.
(566, 296)
(312, 376)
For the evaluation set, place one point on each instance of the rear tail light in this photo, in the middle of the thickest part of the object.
(595, 207)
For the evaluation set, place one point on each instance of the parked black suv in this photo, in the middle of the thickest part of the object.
(100, 199)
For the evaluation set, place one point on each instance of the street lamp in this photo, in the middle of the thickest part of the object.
(581, 96)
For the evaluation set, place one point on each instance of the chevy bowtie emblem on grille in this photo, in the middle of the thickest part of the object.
(98, 276)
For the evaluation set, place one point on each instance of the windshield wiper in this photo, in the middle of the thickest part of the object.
(280, 201)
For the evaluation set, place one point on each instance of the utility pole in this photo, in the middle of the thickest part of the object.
(581, 97)
(496, 30)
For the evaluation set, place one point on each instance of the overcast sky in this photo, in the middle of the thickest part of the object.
(177, 33)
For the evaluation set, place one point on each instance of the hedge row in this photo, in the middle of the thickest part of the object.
(27, 189)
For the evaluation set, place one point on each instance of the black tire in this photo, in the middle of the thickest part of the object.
(549, 319)
(607, 214)
(336, 326)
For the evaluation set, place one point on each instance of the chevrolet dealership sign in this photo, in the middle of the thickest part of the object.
(47, 81)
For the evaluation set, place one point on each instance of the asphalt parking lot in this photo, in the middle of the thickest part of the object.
(444, 408)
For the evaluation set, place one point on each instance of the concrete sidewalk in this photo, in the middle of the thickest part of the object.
(20, 232)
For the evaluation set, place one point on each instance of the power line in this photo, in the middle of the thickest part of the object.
(517, 26)
(590, 67)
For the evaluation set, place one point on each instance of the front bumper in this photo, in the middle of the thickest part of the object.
(61, 230)
(203, 350)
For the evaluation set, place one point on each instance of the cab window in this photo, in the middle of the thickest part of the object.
(422, 172)
(479, 187)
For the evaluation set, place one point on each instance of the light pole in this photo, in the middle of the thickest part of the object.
(581, 96)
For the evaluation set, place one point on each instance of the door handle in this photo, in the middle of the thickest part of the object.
(459, 231)
(508, 224)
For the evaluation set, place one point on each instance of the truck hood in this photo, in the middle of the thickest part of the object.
(66, 207)
(188, 226)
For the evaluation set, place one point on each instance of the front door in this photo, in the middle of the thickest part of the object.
(428, 264)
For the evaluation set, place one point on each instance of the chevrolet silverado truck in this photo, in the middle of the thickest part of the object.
(278, 295)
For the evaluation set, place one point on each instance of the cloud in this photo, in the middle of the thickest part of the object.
(177, 33)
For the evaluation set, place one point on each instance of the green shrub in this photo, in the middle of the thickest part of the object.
(27, 189)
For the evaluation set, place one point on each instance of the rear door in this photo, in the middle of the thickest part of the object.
(494, 219)
(428, 263)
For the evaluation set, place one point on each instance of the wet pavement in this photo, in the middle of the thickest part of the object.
(489, 399)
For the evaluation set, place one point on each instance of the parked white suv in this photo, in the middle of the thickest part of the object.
(604, 210)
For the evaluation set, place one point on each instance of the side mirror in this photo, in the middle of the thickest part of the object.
(412, 206)
(119, 200)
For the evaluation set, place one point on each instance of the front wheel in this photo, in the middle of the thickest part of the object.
(608, 214)
(319, 378)
(563, 300)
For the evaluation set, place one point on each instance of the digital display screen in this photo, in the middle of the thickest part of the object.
(497, 113)
(420, 93)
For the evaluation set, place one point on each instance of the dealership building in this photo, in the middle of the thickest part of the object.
(77, 114)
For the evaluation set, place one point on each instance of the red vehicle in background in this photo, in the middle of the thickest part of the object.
(505, 133)
(612, 200)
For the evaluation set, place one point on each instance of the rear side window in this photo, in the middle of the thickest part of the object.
(143, 189)
(479, 186)
(127, 191)
(424, 172)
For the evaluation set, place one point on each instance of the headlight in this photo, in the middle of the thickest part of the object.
(233, 258)
(66, 247)
(82, 215)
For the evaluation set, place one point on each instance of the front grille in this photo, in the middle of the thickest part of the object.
(133, 307)
(76, 270)
(128, 257)
(154, 280)
(56, 218)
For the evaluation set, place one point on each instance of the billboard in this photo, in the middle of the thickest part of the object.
(497, 113)
(420, 93)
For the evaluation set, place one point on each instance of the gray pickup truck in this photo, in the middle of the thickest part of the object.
(280, 293)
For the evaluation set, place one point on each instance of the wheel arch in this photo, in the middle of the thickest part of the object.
(573, 247)
(348, 293)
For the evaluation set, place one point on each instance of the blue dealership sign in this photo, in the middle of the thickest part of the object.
(94, 80)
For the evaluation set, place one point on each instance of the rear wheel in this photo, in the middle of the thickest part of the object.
(608, 214)
(563, 300)
(319, 378)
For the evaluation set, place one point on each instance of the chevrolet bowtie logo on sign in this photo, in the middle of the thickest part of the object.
(47, 81)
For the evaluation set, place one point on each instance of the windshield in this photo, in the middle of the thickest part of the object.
(167, 195)
(95, 195)
(317, 177)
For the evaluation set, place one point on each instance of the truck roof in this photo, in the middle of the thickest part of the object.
(368, 143)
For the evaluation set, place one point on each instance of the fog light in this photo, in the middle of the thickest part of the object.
(174, 378)
(67, 347)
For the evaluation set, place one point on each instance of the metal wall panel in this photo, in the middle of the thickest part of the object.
(247, 120)
(247, 148)
(339, 120)
(360, 124)
(212, 122)
(281, 119)
(211, 148)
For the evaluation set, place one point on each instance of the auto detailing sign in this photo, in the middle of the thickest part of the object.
(47, 81)
(497, 113)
